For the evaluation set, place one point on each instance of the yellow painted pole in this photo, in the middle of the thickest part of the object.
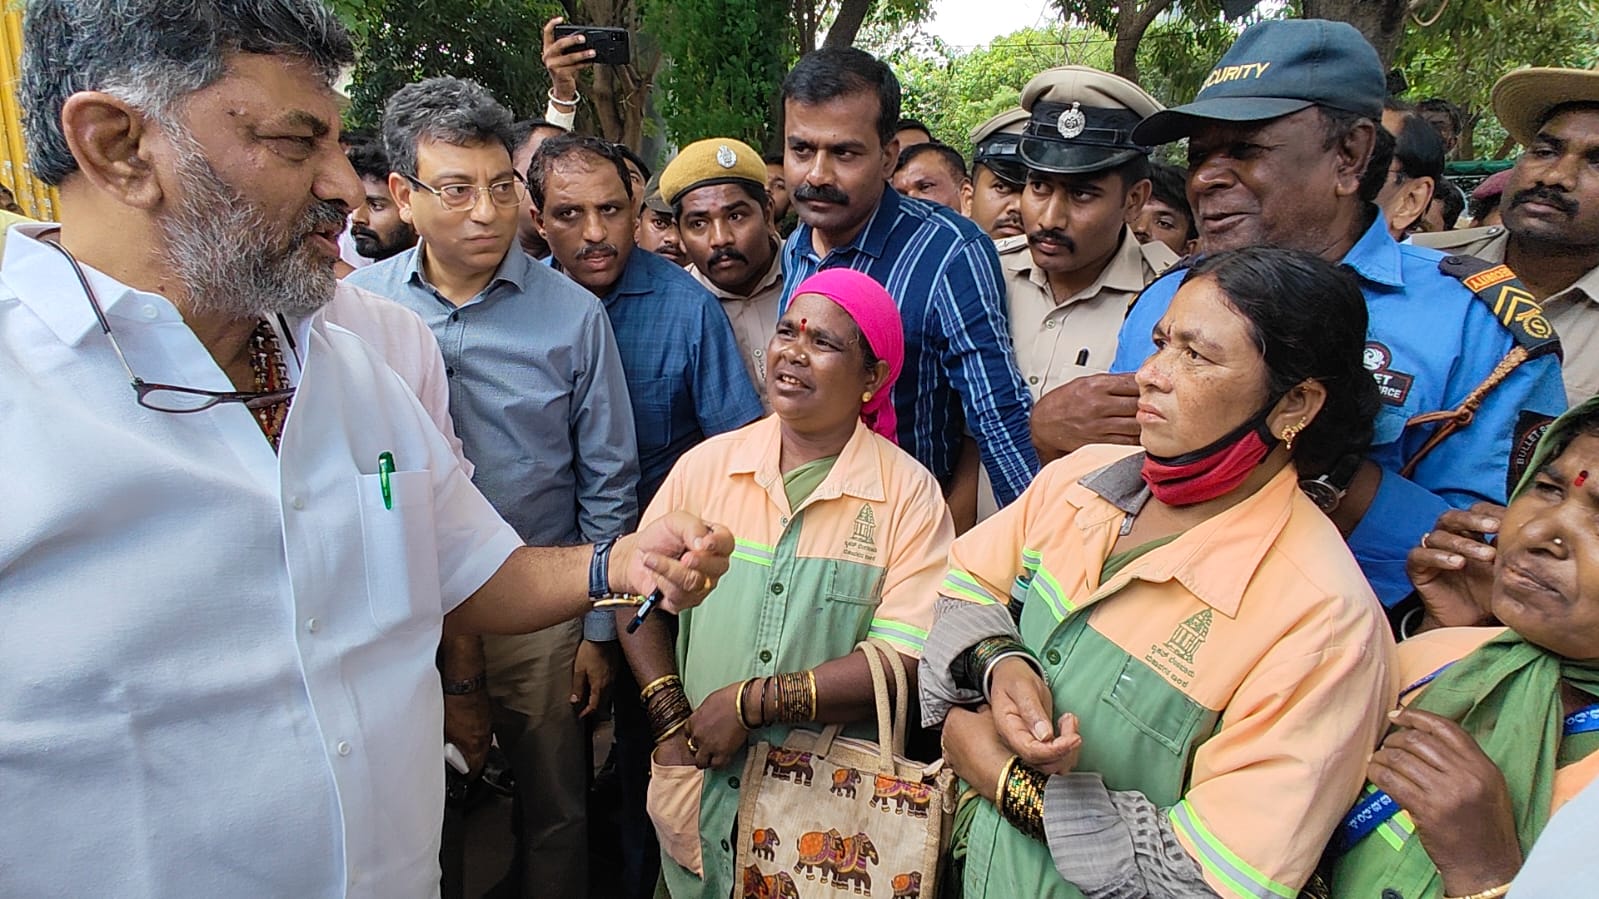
(35, 198)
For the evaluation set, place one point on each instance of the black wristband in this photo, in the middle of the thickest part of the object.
(465, 687)
(600, 569)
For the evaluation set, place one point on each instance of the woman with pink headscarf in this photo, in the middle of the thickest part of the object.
(841, 536)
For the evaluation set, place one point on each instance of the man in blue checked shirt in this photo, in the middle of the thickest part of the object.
(840, 107)
(1286, 148)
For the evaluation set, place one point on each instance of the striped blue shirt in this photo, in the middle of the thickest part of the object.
(960, 369)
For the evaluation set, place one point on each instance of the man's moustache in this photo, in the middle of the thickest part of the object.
(826, 193)
(724, 255)
(596, 249)
(1549, 195)
(1053, 236)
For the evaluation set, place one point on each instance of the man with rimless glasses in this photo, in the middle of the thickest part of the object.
(235, 537)
(539, 397)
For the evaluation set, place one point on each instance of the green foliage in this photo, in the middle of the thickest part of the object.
(954, 93)
(497, 43)
(1462, 54)
(727, 58)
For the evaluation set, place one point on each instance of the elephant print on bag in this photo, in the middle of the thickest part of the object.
(787, 764)
(845, 780)
(776, 886)
(763, 842)
(907, 886)
(843, 859)
(903, 793)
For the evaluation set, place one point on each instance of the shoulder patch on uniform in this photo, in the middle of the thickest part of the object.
(1530, 428)
(1497, 287)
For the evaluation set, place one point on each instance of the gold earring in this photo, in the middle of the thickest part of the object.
(866, 397)
(1290, 432)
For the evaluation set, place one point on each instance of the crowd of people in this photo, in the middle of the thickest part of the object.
(1233, 519)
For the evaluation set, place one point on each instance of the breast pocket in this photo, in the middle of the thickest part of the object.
(400, 549)
(655, 402)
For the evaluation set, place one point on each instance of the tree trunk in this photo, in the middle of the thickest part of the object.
(617, 93)
(847, 24)
(1133, 19)
(1381, 21)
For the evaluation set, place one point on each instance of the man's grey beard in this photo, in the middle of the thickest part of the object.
(229, 258)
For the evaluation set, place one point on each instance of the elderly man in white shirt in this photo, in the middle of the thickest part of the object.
(217, 624)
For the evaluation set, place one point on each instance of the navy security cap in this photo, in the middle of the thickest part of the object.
(1276, 68)
(1082, 120)
(995, 145)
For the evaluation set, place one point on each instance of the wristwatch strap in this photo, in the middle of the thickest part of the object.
(600, 569)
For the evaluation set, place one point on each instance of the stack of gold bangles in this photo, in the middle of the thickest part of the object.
(796, 697)
(1021, 797)
(666, 705)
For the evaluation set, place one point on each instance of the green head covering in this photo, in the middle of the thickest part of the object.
(1555, 440)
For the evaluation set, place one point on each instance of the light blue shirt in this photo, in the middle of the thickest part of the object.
(1430, 342)
(538, 397)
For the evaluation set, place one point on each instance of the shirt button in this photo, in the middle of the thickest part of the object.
(1050, 324)
(343, 747)
(732, 782)
(1053, 657)
(449, 372)
(1392, 894)
(297, 502)
(1032, 379)
(777, 589)
(311, 624)
(783, 522)
(766, 655)
(725, 846)
(149, 311)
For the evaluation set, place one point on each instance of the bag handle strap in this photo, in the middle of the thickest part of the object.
(891, 726)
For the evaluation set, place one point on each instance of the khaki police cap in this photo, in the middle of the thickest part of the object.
(1523, 99)
(1082, 120)
(716, 160)
(1011, 121)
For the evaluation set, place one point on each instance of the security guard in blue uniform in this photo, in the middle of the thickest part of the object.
(1284, 149)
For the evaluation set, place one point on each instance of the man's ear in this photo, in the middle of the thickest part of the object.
(113, 145)
(400, 189)
(1353, 155)
(965, 207)
(1411, 204)
(890, 158)
(1137, 196)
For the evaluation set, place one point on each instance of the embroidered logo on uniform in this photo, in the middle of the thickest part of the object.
(1515, 306)
(1190, 635)
(1392, 386)
(1482, 280)
(862, 542)
(725, 157)
(1071, 122)
(1530, 428)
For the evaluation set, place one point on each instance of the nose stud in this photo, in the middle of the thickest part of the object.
(1559, 542)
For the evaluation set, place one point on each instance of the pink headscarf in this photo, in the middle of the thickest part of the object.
(877, 315)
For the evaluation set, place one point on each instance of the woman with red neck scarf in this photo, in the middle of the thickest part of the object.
(1160, 670)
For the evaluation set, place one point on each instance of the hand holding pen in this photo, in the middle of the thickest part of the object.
(675, 561)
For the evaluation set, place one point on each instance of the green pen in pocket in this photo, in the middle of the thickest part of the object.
(386, 468)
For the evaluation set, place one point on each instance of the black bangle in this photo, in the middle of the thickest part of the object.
(600, 569)
(465, 687)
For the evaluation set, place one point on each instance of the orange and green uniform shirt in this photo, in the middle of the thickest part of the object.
(861, 557)
(1228, 685)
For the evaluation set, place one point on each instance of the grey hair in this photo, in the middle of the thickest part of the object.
(152, 53)
(452, 110)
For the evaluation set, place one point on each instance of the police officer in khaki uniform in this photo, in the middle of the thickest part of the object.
(998, 175)
(1550, 207)
(716, 188)
(1078, 267)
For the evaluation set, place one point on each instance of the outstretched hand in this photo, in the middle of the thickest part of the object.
(678, 554)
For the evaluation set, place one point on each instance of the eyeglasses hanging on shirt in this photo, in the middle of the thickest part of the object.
(170, 397)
